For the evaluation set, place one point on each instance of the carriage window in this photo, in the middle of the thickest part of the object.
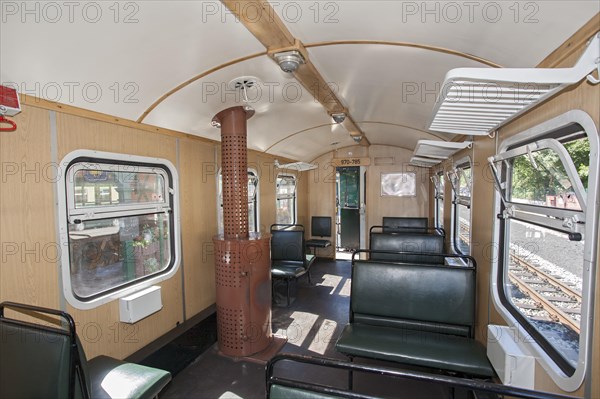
(545, 232)
(286, 199)
(252, 202)
(439, 185)
(119, 223)
(460, 179)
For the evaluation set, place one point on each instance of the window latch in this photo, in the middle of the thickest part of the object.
(571, 223)
(508, 212)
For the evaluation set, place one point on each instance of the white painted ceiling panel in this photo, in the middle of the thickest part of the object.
(310, 144)
(116, 58)
(510, 33)
(387, 83)
(283, 107)
(394, 135)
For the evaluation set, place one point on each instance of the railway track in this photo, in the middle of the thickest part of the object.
(547, 298)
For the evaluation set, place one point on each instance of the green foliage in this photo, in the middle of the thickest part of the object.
(546, 175)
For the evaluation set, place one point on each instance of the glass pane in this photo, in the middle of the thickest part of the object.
(440, 213)
(579, 150)
(252, 217)
(285, 211)
(349, 186)
(463, 236)
(544, 282)
(539, 178)
(286, 186)
(96, 187)
(108, 253)
(252, 183)
(464, 182)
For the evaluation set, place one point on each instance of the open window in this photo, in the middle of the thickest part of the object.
(547, 216)
(285, 199)
(461, 182)
(119, 225)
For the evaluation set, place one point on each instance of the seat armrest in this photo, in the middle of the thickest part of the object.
(112, 378)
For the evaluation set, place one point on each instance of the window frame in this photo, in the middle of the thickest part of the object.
(292, 196)
(460, 200)
(439, 187)
(530, 338)
(67, 213)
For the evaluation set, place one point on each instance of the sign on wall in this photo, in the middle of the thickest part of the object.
(398, 184)
(357, 161)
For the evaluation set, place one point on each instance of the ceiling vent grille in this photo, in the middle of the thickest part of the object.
(477, 101)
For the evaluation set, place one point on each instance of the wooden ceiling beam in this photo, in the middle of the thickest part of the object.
(264, 23)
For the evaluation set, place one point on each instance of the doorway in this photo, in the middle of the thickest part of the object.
(350, 207)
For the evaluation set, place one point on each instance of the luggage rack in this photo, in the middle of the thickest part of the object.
(477, 101)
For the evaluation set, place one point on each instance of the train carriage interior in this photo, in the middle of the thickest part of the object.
(299, 199)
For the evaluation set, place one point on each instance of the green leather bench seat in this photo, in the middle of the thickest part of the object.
(419, 348)
(419, 246)
(113, 378)
(37, 361)
(415, 314)
(289, 259)
(404, 224)
(286, 270)
(283, 392)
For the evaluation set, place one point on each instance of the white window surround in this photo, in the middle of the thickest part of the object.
(565, 382)
(293, 196)
(454, 180)
(108, 158)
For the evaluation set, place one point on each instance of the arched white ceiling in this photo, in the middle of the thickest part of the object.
(153, 47)
(124, 62)
(512, 34)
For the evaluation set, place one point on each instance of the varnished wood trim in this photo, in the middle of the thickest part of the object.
(270, 30)
(319, 90)
(575, 43)
(98, 116)
(195, 78)
(406, 44)
(267, 27)
(36, 102)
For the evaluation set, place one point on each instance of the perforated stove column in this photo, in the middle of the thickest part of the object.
(242, 260)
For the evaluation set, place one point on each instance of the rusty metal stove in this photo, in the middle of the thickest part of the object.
(242, 260)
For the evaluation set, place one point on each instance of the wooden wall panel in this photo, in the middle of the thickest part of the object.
(379, 206)
(321, 200)
(100, 329)
(30, 252)
(302, 200)
(322, 186)
(482, 228)
(198, 173)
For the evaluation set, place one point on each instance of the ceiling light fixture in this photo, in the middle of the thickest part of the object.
(338, 117)
(357, 139)
(289, 61)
